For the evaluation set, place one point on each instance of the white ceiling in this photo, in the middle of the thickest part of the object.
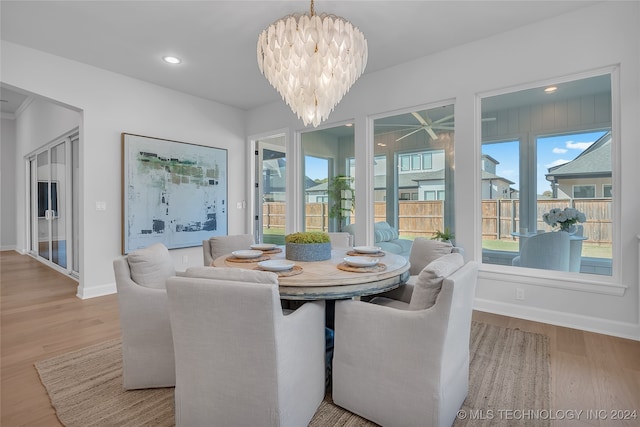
(217, 39)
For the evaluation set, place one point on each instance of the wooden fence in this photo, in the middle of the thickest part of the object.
(422, 218)
(500, 218)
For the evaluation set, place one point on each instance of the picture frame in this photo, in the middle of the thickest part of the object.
(173, 192)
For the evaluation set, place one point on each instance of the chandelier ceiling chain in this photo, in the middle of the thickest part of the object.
(312, 61)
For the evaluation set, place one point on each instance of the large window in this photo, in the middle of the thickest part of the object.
(413, 168)
(328, 179)
(546, 154)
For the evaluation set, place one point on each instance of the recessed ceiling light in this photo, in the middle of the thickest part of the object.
(382, 144)
(551, 89)
(171, 59)
(348, 125)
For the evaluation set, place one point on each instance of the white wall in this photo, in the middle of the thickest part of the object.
(7, 187)
(109, 104)
(603, 35)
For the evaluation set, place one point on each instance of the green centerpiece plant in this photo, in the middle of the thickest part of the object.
(308, 246)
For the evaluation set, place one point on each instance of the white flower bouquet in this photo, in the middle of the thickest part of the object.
(564, 219)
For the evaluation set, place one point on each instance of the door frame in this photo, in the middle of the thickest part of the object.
(31, 177)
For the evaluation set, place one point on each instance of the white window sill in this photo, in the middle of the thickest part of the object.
(552, 279)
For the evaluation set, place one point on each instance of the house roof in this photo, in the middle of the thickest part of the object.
(594, 161)
(319, 188)
(486, 176)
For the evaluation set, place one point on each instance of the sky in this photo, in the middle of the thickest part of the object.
(315, 167)
(552, 151)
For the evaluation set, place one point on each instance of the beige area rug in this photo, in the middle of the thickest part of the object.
(509, 373)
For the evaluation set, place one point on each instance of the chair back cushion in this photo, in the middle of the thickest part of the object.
(222, 245)
(429, 282)
(151, 266)
(424, 251)
(232, 274)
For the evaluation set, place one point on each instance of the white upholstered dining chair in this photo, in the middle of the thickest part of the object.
(217, 246)
(341, 239)
(400, 361)
(147, 344)
(240, 361)
(424, 250)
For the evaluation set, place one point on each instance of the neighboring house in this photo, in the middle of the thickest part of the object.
(421, 177)
(316, 193)
(430, 185)
(494, 186)
(273, 180)
(586, 176)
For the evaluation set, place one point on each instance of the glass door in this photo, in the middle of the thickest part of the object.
(51, 204)
(57, 209)
(43, 202)
(271, 173)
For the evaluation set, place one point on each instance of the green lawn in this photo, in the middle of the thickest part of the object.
(273, 235)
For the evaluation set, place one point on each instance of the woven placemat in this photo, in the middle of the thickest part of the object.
(373, 269)
(355, 253)
(257, 259)
(272, 251)
(286, 273)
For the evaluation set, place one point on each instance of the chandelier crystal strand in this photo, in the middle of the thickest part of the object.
(312, 61)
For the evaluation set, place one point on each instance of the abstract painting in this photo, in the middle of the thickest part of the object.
(173, 193)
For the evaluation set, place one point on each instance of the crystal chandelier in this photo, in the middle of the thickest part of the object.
(312, 61)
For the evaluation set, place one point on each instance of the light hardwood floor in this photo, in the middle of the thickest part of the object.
(41, 317)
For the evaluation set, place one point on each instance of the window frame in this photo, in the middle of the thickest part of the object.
(591, 186)
(402, 159)
(428, 155)
(609, 285)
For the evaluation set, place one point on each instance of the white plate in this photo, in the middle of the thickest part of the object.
(361, 261)
(276, 265)
(367, 249)
(246, 254)
(263, 246)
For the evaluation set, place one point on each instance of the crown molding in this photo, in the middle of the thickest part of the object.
(24, 105)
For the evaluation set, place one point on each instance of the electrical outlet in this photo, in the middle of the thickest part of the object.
(239, 205)
(101, 206)
(519, 293)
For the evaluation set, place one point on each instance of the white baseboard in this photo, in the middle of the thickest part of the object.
(585, 323)
(8, 248)
(96, 291)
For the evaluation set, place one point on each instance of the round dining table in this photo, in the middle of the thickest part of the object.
(324, 280)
